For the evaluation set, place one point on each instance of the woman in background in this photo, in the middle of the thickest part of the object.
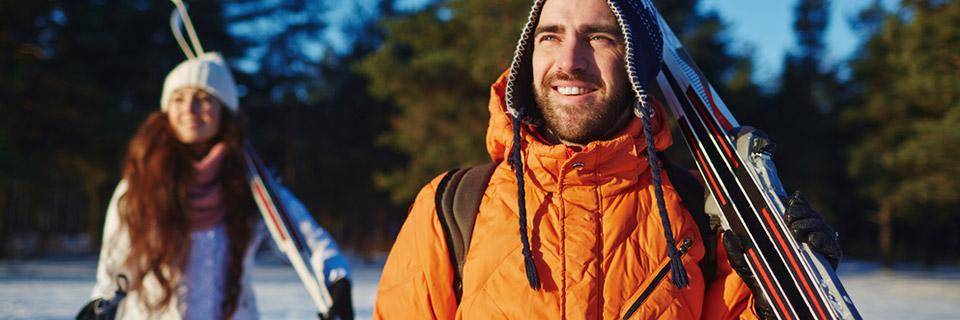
(182, 227)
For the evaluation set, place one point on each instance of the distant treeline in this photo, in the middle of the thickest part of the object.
(358, 104)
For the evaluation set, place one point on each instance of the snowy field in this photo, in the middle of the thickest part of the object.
(53, 289)
(56, 289)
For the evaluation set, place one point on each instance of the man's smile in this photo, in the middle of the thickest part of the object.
(573, 91)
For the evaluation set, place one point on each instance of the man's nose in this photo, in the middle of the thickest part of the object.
(573, 56)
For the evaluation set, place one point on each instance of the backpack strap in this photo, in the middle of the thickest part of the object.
(458, 201)
(693, 198)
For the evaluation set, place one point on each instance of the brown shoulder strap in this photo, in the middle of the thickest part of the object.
(458, 202)
(693, 197)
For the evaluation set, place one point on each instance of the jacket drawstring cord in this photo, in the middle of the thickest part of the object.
(516, 162)
(678, 275)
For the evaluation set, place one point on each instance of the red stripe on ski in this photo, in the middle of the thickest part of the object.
(793, 262)
(769, 284)
(273, 215)
(716, 111)
(277, 209)
(721, 138)
(713, 181)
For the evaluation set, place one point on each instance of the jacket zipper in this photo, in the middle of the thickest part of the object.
(662, 274)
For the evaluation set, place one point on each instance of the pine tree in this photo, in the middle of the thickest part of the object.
(310, 116)
(22, 52)
(802, 120)
(908, 116)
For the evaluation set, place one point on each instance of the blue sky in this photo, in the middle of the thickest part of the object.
(766, 27)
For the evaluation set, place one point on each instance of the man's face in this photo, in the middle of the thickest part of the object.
(579, 74)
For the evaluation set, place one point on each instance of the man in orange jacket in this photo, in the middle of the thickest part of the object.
(573, 184)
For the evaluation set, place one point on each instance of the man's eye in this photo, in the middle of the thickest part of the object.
(601, 38)
(548, 37)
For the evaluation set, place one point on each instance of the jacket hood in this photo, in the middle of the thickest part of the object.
(643, 55)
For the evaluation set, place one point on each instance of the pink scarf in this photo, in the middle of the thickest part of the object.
(205, 206)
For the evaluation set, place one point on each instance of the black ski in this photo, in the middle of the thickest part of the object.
(799, 283)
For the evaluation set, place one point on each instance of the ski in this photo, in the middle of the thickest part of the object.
(284, 231)
(743, 182)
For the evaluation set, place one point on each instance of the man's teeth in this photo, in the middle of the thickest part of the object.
(571, 91)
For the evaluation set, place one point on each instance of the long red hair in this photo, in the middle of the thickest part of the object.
(156, 168)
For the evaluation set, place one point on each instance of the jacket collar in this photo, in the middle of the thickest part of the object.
(621, 157)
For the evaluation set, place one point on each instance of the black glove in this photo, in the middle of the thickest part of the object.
(738, 261)
(342, 308)
(809, 227)
(105, 309)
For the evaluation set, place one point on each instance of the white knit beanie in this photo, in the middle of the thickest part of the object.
(208, 72)
(204, 70)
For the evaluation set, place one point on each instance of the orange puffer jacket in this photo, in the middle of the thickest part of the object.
(596, 236)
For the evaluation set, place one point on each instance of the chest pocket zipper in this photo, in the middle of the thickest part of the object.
(661, 274)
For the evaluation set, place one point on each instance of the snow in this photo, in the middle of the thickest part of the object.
(905, 293)
(57, 288)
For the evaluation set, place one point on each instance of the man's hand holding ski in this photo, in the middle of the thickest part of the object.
(807, 226)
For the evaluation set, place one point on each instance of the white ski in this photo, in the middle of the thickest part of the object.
(284, 232)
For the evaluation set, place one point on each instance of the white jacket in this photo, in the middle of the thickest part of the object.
(201, 289)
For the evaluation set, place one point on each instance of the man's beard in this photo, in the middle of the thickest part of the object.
(584, 123)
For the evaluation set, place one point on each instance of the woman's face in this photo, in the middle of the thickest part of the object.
(194, 115)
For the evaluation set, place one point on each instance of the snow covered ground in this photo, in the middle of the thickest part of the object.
(56, 289)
